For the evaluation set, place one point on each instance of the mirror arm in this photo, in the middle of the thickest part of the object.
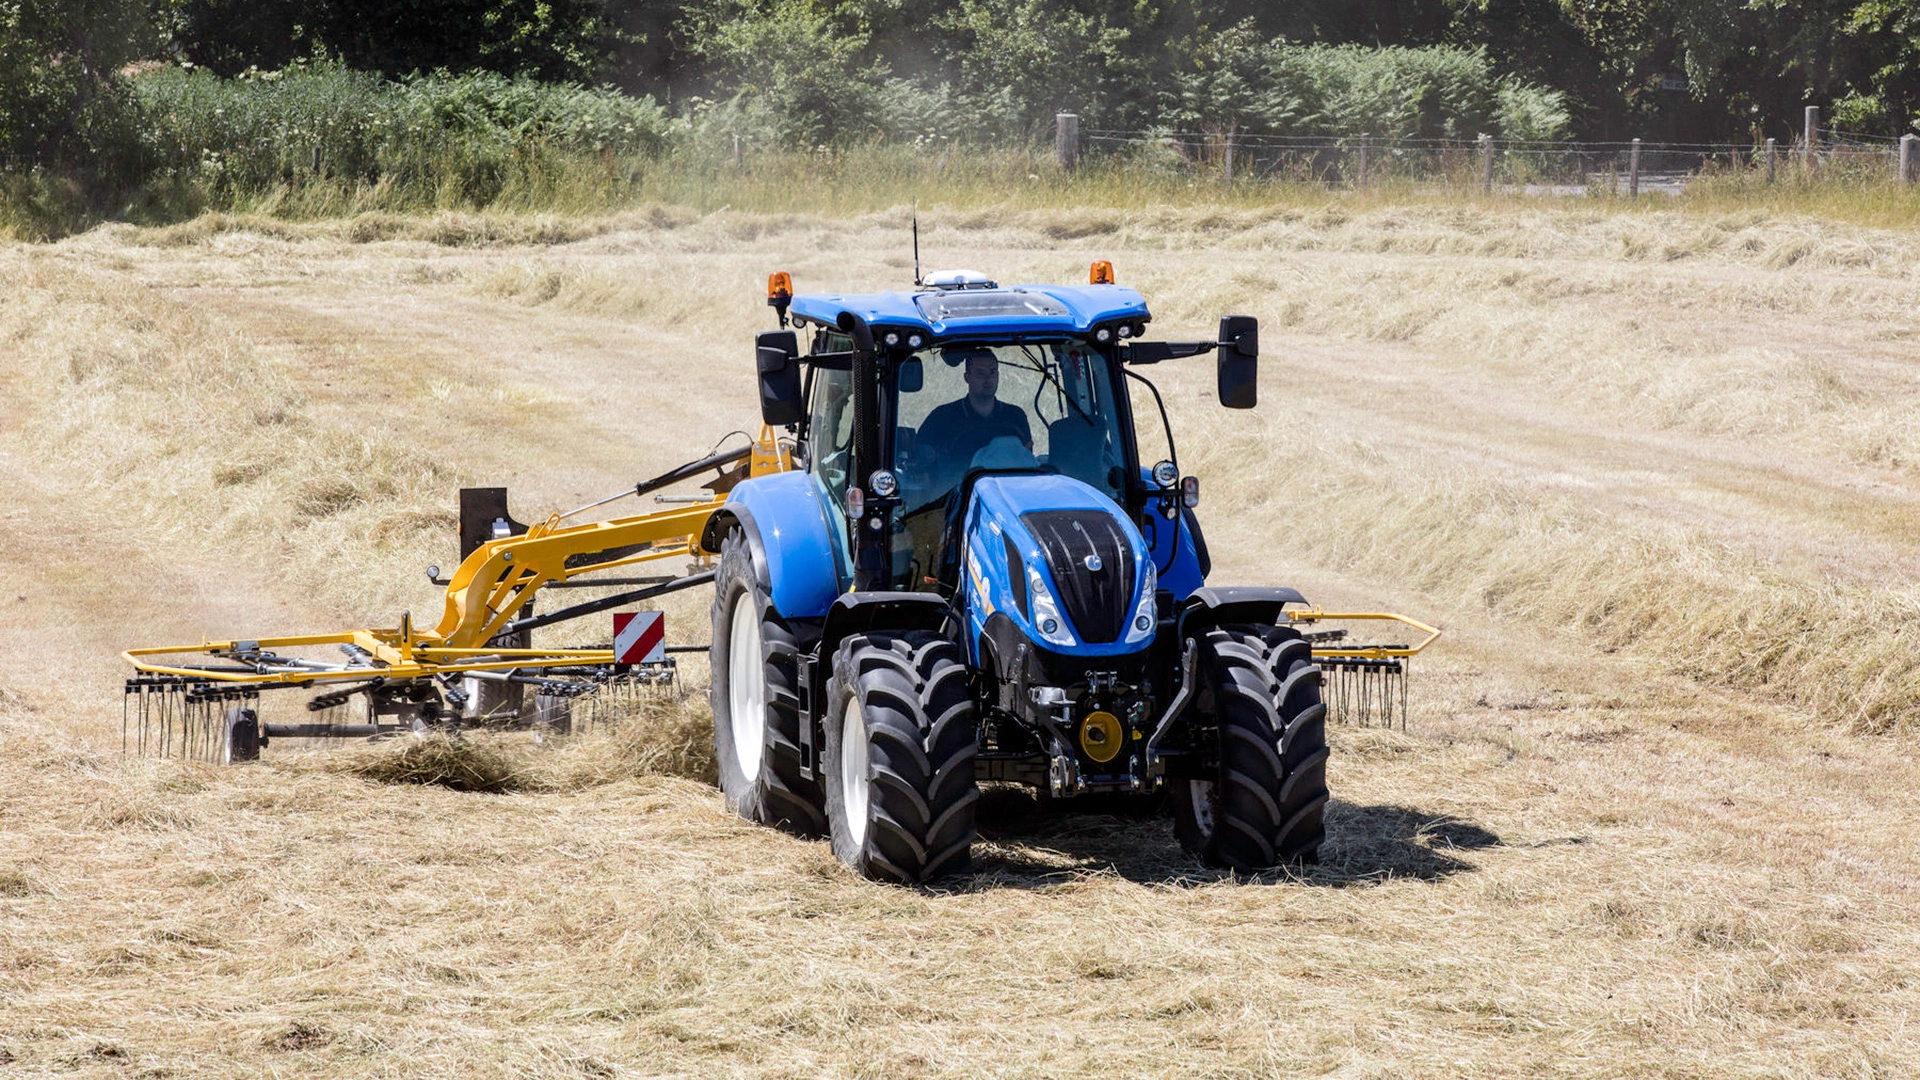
(1152, 352)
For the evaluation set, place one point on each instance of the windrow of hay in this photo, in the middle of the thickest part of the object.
(654, 735)
(1845, 653)
(133, 391)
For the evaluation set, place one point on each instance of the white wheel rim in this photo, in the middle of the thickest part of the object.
(1201, 793)
(853, 770)
(746, 687)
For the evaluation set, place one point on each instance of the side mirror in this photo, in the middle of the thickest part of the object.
(911, 377)
(777, 358)
(1239, 354)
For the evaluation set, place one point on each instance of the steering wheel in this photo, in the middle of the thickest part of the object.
(1007, 451)
(833, 468)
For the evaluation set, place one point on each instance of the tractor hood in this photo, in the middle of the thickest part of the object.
(1062, 561)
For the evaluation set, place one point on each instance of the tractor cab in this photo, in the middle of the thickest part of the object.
(961, 379)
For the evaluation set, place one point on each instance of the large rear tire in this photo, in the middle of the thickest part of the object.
(1263, 805)
(756, 705)
(901, 740)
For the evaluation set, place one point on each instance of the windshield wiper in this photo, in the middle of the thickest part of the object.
(1041, 367)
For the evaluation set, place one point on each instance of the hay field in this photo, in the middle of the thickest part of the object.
(1656, 473)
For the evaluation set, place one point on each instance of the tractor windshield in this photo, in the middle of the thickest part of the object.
(1043, 404)
(1038, 404)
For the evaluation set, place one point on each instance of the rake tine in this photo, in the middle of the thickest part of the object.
(1405, 675)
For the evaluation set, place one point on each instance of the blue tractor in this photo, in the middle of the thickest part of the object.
(969, 575)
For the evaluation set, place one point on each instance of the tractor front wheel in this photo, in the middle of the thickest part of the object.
(901, 737)
(1262, 804)
(756, 704)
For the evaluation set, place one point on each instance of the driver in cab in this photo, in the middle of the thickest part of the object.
(958, 430)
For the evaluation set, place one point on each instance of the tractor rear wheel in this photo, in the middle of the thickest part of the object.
(756, 706)
(1263, 804)
(901, 737)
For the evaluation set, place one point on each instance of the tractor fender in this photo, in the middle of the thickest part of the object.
(862, 613)
(787, 534)
(1179, 551)
(1209, 607)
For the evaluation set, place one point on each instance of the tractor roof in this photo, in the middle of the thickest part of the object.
(1016, 309)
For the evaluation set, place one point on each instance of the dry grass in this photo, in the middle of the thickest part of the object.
(657, 735)
(1656, 471)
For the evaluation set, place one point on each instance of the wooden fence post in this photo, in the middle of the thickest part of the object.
(1633, 171)
(1812, 135)
(1486, 164)
(1906, 157)
(1226, 160)
(1066, 140)
(1362, 179)
(1773, 155)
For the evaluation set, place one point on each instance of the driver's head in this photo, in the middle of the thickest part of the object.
(983, 374)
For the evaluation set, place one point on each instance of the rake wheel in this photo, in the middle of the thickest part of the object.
(240, 739)
(1262, 805)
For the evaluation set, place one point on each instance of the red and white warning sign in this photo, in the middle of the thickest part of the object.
(639, 637)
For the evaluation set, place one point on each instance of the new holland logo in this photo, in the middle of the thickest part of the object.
(1091, 562)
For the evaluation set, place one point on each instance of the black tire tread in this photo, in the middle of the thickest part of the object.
(1271, 791)
(780, 795)
(921, 745)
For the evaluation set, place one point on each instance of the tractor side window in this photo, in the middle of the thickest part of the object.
(1150, 435)
(830, 452)
(830, 418)
(830, 430)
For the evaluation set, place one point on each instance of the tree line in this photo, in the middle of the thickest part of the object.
(821, 72)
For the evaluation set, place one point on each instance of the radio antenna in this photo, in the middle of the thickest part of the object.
(916, 249)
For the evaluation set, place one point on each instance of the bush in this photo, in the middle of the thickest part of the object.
(429, 138)
(1341, 91)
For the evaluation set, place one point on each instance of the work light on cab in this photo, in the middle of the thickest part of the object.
(780, 293)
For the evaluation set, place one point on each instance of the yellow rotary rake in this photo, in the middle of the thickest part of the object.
(475, 668)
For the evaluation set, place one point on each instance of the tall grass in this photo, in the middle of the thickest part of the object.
(321, 141)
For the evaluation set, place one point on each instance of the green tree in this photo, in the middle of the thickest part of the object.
(62, 97)
(555, 40)
(1021, 61)
(798, 71)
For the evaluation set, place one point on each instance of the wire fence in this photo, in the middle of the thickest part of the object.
(1531, 166)
(1568, 166)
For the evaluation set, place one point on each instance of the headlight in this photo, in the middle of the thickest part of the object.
(1046, 614)
(1166, 474)
(883, 484)
(1146, 613)
(914, 341)
(1103, 335)
(892, 339)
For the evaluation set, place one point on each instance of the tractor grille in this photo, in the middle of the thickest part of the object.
(1098, 601)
